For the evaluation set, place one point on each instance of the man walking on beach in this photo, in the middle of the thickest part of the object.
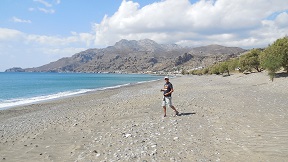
(167, 98)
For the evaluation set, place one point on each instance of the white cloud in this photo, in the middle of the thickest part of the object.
(18, 20)
(17, 46)
(31, 9)
(10, 35)
(50, 40)
(44, 3)
(61, 52)
(85, 40)
(50, 11)
(282, 20)
(48, 6)
(88, 38)
(58, 1)
(235, 22)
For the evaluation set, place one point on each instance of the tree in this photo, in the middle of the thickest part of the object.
(250, 60)
(183, 72)
(271, 60)
(223, 67)
(233, 64)
(205, 71)
(215, 69)
(281, 46)
(275, 56)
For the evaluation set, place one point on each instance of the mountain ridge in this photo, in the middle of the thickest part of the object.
(131, 56)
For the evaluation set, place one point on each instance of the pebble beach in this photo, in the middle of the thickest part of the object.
(235, 118)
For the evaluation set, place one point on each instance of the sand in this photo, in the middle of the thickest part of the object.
(236, 118)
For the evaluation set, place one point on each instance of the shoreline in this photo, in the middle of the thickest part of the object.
(60, 95)
(241, 117)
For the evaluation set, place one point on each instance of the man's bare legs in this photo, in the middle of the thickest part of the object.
(176, 112)
(164, 108)
(172, 107)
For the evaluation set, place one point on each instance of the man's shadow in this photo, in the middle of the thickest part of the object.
(186, 114)
(281, 75)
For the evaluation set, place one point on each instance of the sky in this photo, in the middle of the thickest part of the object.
(36, 32)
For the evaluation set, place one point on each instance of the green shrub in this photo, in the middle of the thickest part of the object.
(271, 61)
(250, 60)
(275, 56)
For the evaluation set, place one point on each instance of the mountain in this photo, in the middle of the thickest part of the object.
(215, 49)
(207, 55)
(15, 69)
(139, 56)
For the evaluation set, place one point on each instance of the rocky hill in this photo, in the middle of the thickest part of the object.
(140, 56)
(207, 55)
(15, 69)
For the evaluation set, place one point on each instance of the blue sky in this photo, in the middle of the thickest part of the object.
(36, 32)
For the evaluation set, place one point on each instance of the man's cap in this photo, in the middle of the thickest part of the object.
(166, 77)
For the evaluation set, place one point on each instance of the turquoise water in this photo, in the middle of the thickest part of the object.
(24, 88)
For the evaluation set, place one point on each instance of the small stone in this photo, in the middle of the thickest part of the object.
(155, 145)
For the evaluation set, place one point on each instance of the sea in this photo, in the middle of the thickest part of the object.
(27, 88)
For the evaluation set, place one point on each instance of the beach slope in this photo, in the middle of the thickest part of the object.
(236, 118)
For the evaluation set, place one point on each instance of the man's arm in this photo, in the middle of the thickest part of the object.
(172, 90)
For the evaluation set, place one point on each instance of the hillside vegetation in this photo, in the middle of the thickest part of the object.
(273, 58)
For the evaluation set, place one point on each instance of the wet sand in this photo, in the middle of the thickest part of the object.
(236, 118)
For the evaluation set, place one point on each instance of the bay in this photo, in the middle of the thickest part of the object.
(25, 88)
